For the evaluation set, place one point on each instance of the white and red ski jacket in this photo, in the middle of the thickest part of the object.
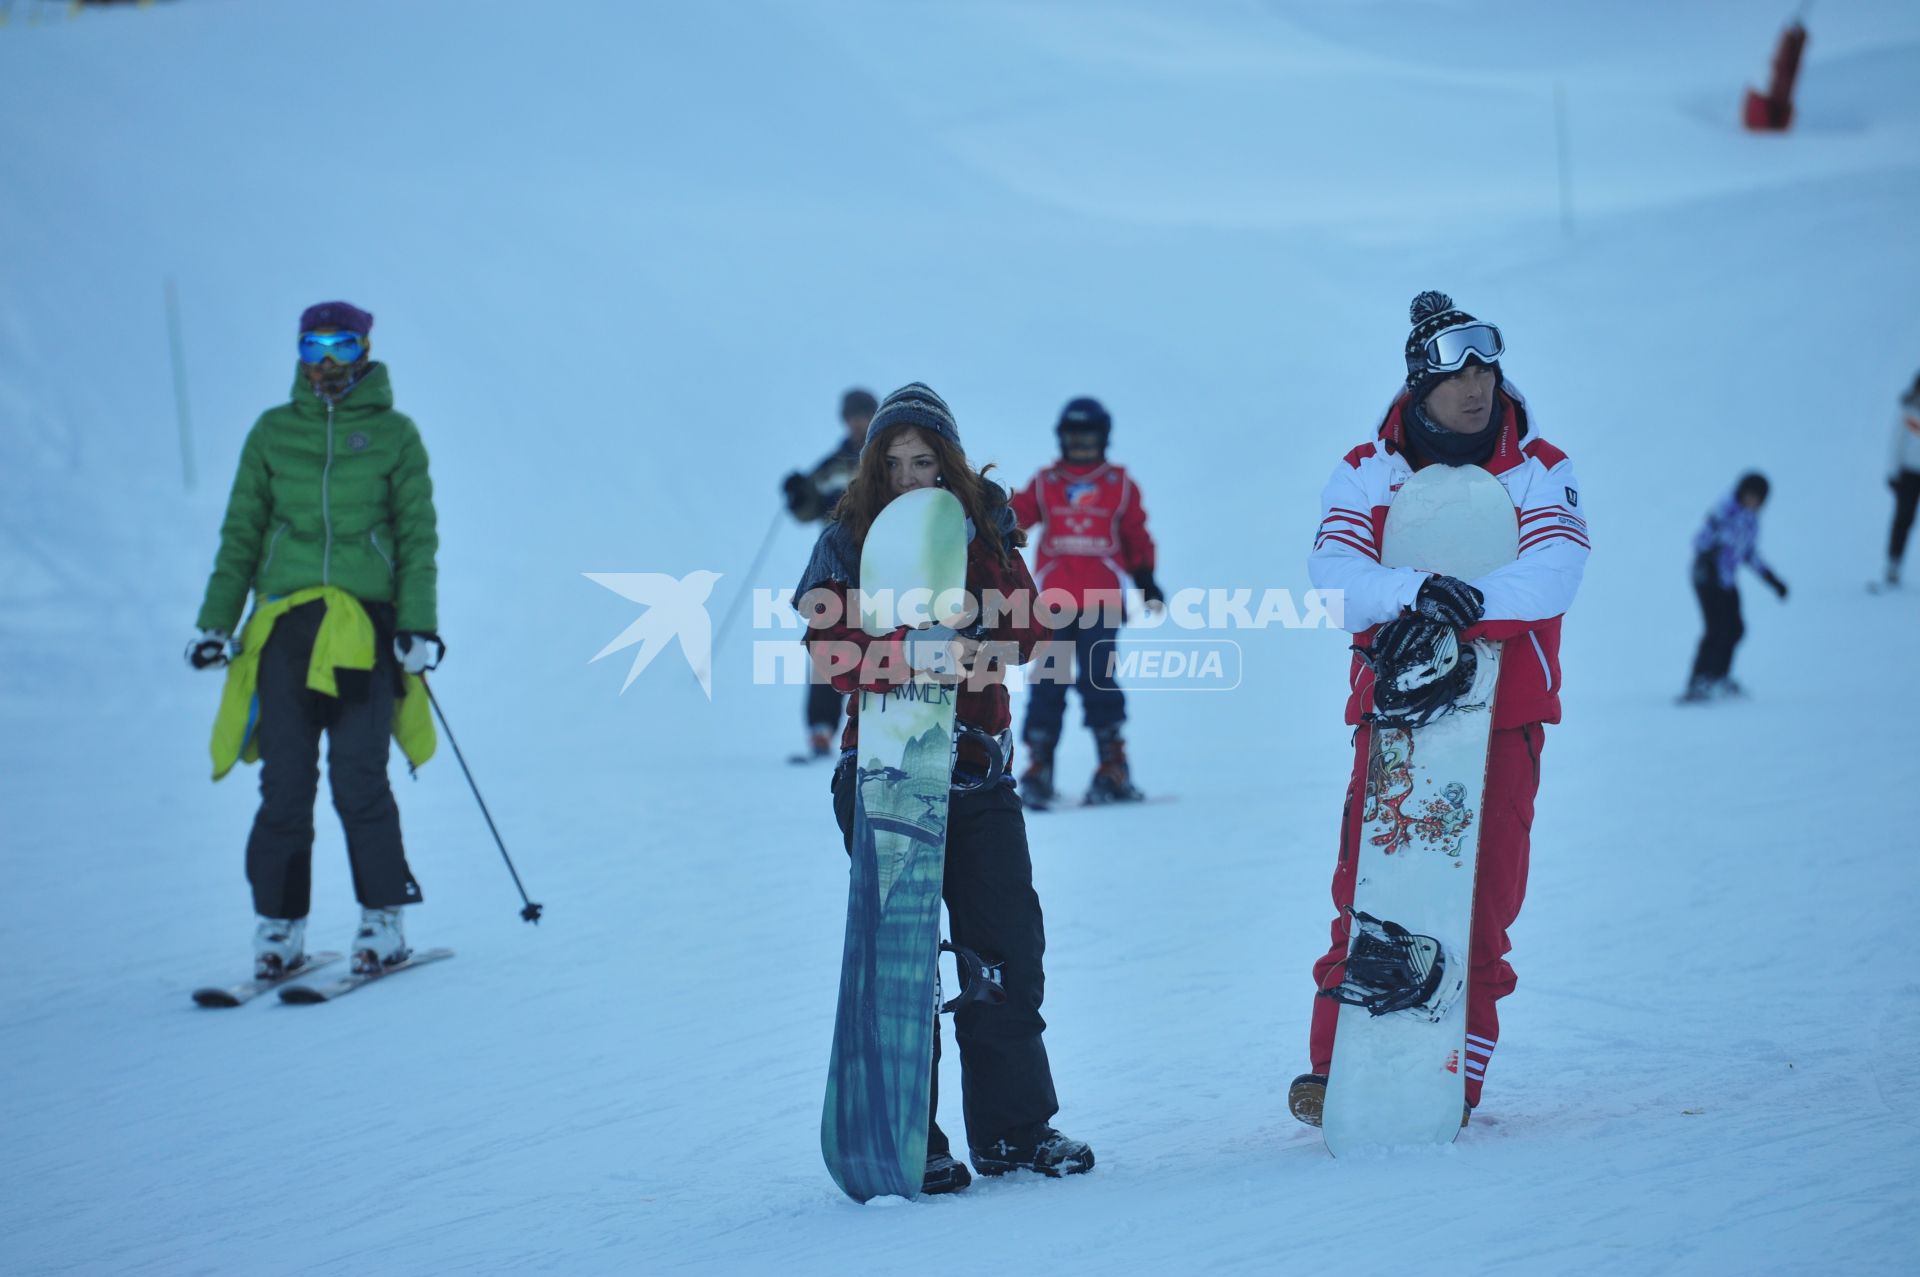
(1093, 530)
(1524, 599)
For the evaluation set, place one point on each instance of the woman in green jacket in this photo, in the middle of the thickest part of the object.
(332, 504)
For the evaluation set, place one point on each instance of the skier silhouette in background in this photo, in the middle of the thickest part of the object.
(811, 496)
(1093, 541)
(1730, 537)
(1904, 478)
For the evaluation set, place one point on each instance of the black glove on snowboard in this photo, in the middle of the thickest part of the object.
(1775, 583)
(1143, 580)
(1450, 601)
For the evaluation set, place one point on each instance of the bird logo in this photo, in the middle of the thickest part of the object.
(676, 608)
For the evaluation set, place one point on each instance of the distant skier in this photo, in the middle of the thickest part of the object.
(330, 525)
(1729, 538)
(1457, 410)
(811, 497)
(1904, 479)
(1093, 541)
(1008, 1099)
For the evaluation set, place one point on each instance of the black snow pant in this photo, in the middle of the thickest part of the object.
(358, 724)
(1906, 499)
(1720, 608)
(1006, 1082)
(1091, 651)
(823, 707)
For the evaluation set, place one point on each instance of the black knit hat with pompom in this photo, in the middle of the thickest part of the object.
(1431, 312)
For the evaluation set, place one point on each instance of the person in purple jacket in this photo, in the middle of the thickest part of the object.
(1730, 537)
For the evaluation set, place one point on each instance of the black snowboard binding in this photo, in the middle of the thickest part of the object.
(1420, 670)
(1390, 969)
(980, 980)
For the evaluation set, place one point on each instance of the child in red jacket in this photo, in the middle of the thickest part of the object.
(1092, 542)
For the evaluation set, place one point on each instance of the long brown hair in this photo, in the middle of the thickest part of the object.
(979, 496)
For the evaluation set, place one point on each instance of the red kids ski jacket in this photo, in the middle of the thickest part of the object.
(1524, 599)
(1093, 530)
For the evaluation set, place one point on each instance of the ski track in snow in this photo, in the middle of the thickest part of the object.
(614, 254)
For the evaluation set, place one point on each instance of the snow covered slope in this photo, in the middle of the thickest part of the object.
(624, 259)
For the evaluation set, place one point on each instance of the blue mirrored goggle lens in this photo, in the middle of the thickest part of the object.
(1447, 351)
(342, 348)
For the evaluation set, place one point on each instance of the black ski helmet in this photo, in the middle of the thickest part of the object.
(1752, 482)
(1084, 416)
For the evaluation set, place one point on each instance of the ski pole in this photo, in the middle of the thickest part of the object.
(746, 584)
(532, 911)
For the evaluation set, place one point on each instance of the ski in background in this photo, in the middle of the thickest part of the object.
(308, 994)
(233, 995)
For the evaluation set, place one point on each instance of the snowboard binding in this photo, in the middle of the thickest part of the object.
(1417, 689)
(980, 980)
(1389, 968)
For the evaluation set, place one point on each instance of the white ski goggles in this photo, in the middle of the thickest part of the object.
(1449, 349)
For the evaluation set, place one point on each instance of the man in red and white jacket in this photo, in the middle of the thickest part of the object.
(1456, 409)
(1092, 541)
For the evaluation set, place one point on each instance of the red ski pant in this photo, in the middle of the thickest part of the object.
(1500, 885)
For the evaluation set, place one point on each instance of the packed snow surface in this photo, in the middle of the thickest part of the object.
(624, 258)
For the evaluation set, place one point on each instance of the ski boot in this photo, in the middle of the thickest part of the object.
(1307, 1097)
(1112, 780)
(1038, 1148)
(279, 945)
(378, 943)
(1728, 690)
(1699, 691)
(819, 742)
(944, 1174)
(1893, 574)
(1036, 782)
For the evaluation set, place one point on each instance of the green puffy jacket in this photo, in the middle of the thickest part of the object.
(330, 494)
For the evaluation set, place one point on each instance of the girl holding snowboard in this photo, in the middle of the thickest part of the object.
(913, 442)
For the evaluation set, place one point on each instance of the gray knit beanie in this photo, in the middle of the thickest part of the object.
(914, 404)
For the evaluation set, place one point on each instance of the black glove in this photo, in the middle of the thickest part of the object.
(1143, 580)
(1775, 583)
(208, 649)
(418, 651)
(1450, 601)
(803, 503)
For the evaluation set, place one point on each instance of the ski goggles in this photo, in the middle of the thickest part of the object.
(342, 348)
(1449, 349)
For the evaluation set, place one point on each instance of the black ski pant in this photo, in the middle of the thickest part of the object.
(1006, 1082)
(1720, 608)
(358, 726)
(1906, 499)
(823, 707)
(1085, 657)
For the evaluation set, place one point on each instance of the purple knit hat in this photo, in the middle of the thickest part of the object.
(343, 316)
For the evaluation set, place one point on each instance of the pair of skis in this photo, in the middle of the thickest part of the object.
(295, 992)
